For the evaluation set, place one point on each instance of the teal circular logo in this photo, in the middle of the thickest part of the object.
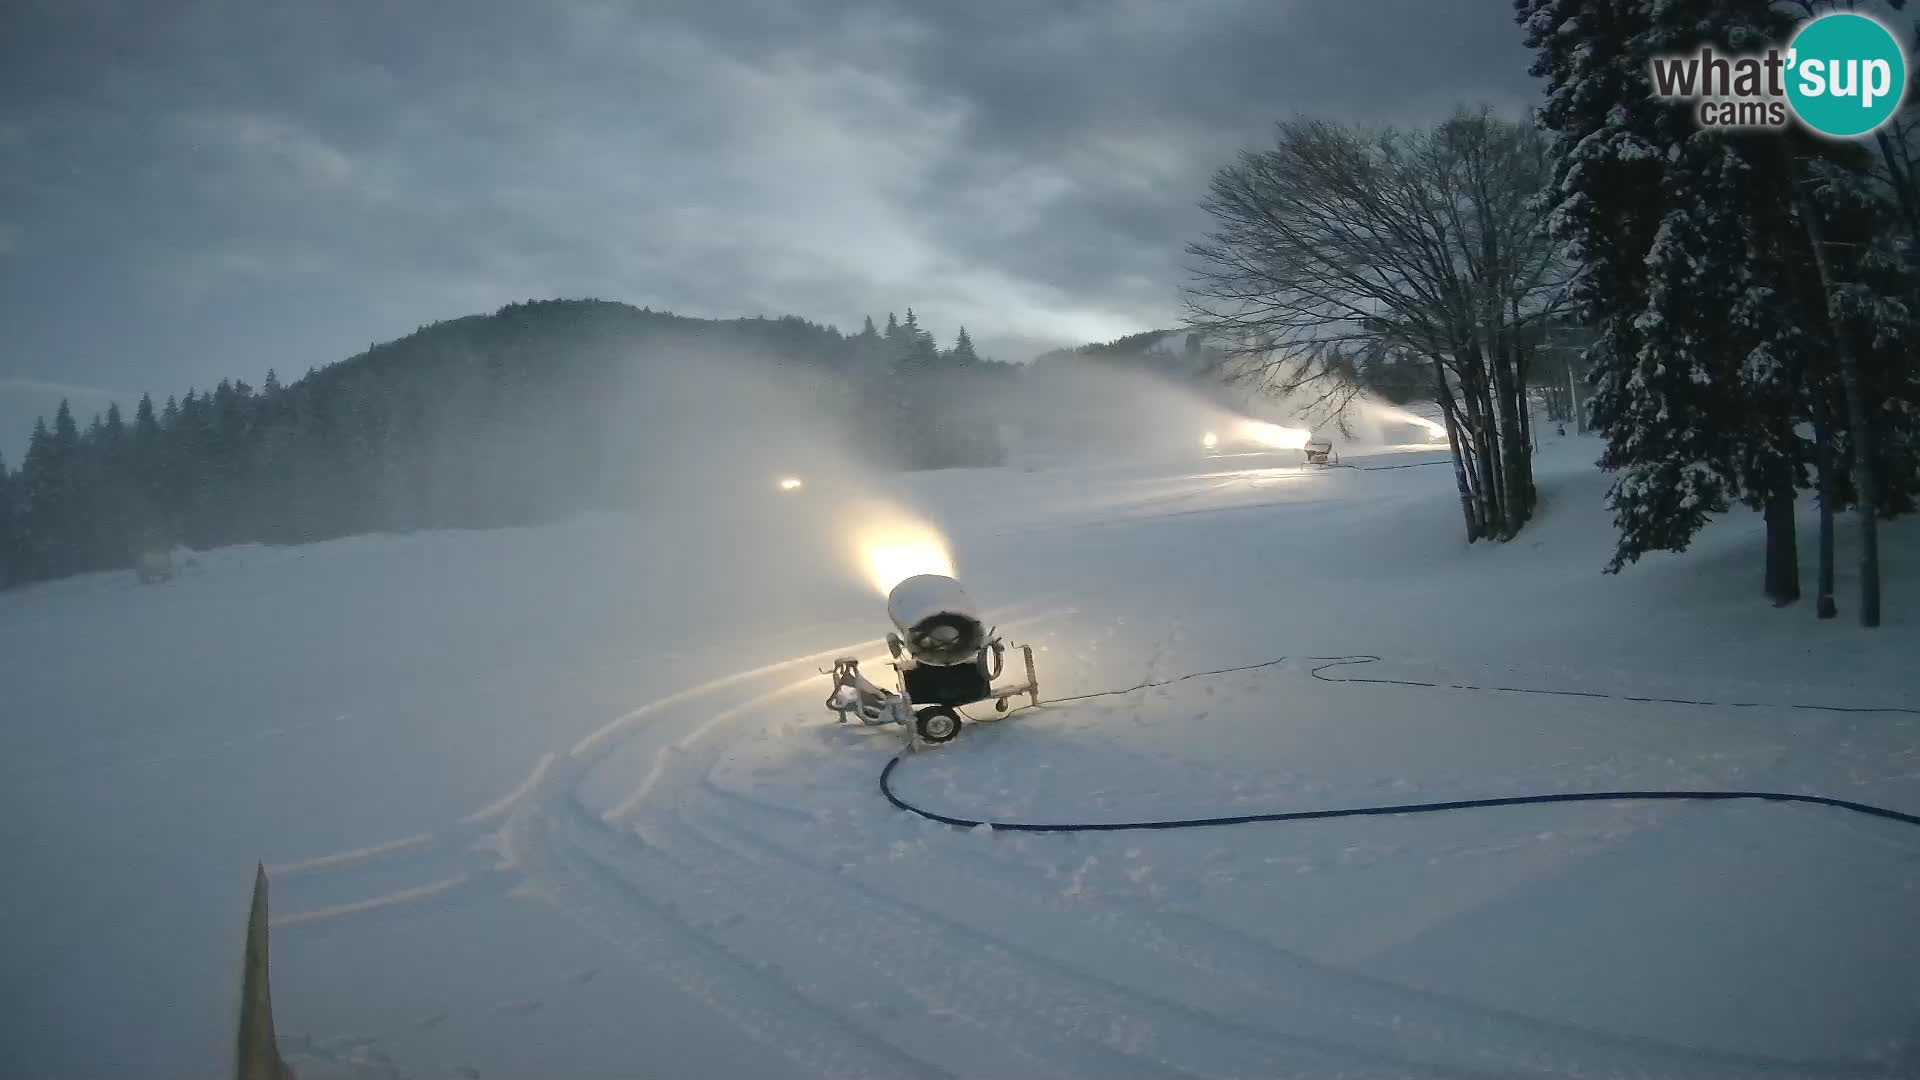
(1846, 74)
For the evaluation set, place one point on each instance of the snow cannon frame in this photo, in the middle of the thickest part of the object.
(944, 657)
(1319, 451)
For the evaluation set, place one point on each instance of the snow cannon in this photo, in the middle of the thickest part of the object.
(934, 620)
(944, 657)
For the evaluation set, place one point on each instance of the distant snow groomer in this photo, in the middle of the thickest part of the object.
(945, 657)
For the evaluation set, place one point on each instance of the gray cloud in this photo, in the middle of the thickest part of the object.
(192, 190)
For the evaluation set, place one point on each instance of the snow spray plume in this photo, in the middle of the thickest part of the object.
(692, 428)
(1309, 391)
(767, 462)
(1393, 424)
(1272, 436)
(1354, 415)
(1081, 408)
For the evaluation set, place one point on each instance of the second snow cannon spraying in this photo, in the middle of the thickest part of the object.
(945, 657)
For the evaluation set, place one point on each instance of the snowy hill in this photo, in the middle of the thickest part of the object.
(563, 800)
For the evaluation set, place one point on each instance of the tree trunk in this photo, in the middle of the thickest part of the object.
(1528, 448)
(1486, 469)
(1512, 449)
(1526, 413)
(1783, 550)
(1515, 438)
(1454, 443)
(1573, 402)
(1823, 465)
(1519, 457)
(1473, 394)
(1856, 416)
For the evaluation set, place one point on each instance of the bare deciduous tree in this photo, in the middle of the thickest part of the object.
(1341, 250)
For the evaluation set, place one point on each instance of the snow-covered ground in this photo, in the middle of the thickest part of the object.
(565, 802)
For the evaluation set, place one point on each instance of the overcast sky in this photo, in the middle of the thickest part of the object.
(194, 190)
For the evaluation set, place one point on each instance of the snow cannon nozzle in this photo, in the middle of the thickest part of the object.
(937, 622)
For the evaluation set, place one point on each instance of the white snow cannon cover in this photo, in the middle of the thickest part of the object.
(937, 620)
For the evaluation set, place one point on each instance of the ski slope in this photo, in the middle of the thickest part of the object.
(564, 801)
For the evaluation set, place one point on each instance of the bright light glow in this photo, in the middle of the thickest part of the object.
(1209, 440)
(1273, 435)
(892, 547)
(790, 483)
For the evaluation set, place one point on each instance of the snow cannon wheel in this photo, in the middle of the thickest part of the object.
(1000, 705)
(937, 723)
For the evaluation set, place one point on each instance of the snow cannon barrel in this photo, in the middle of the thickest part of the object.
(937, 620)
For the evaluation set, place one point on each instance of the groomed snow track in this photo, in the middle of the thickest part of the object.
(701, 885)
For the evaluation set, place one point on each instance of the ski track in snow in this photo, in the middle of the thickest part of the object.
(402, 896)
(1136, 944)
(658, 767)
(464, 832)
(347, 858)
(701, 885)
(507, 801)
(1228, 988)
